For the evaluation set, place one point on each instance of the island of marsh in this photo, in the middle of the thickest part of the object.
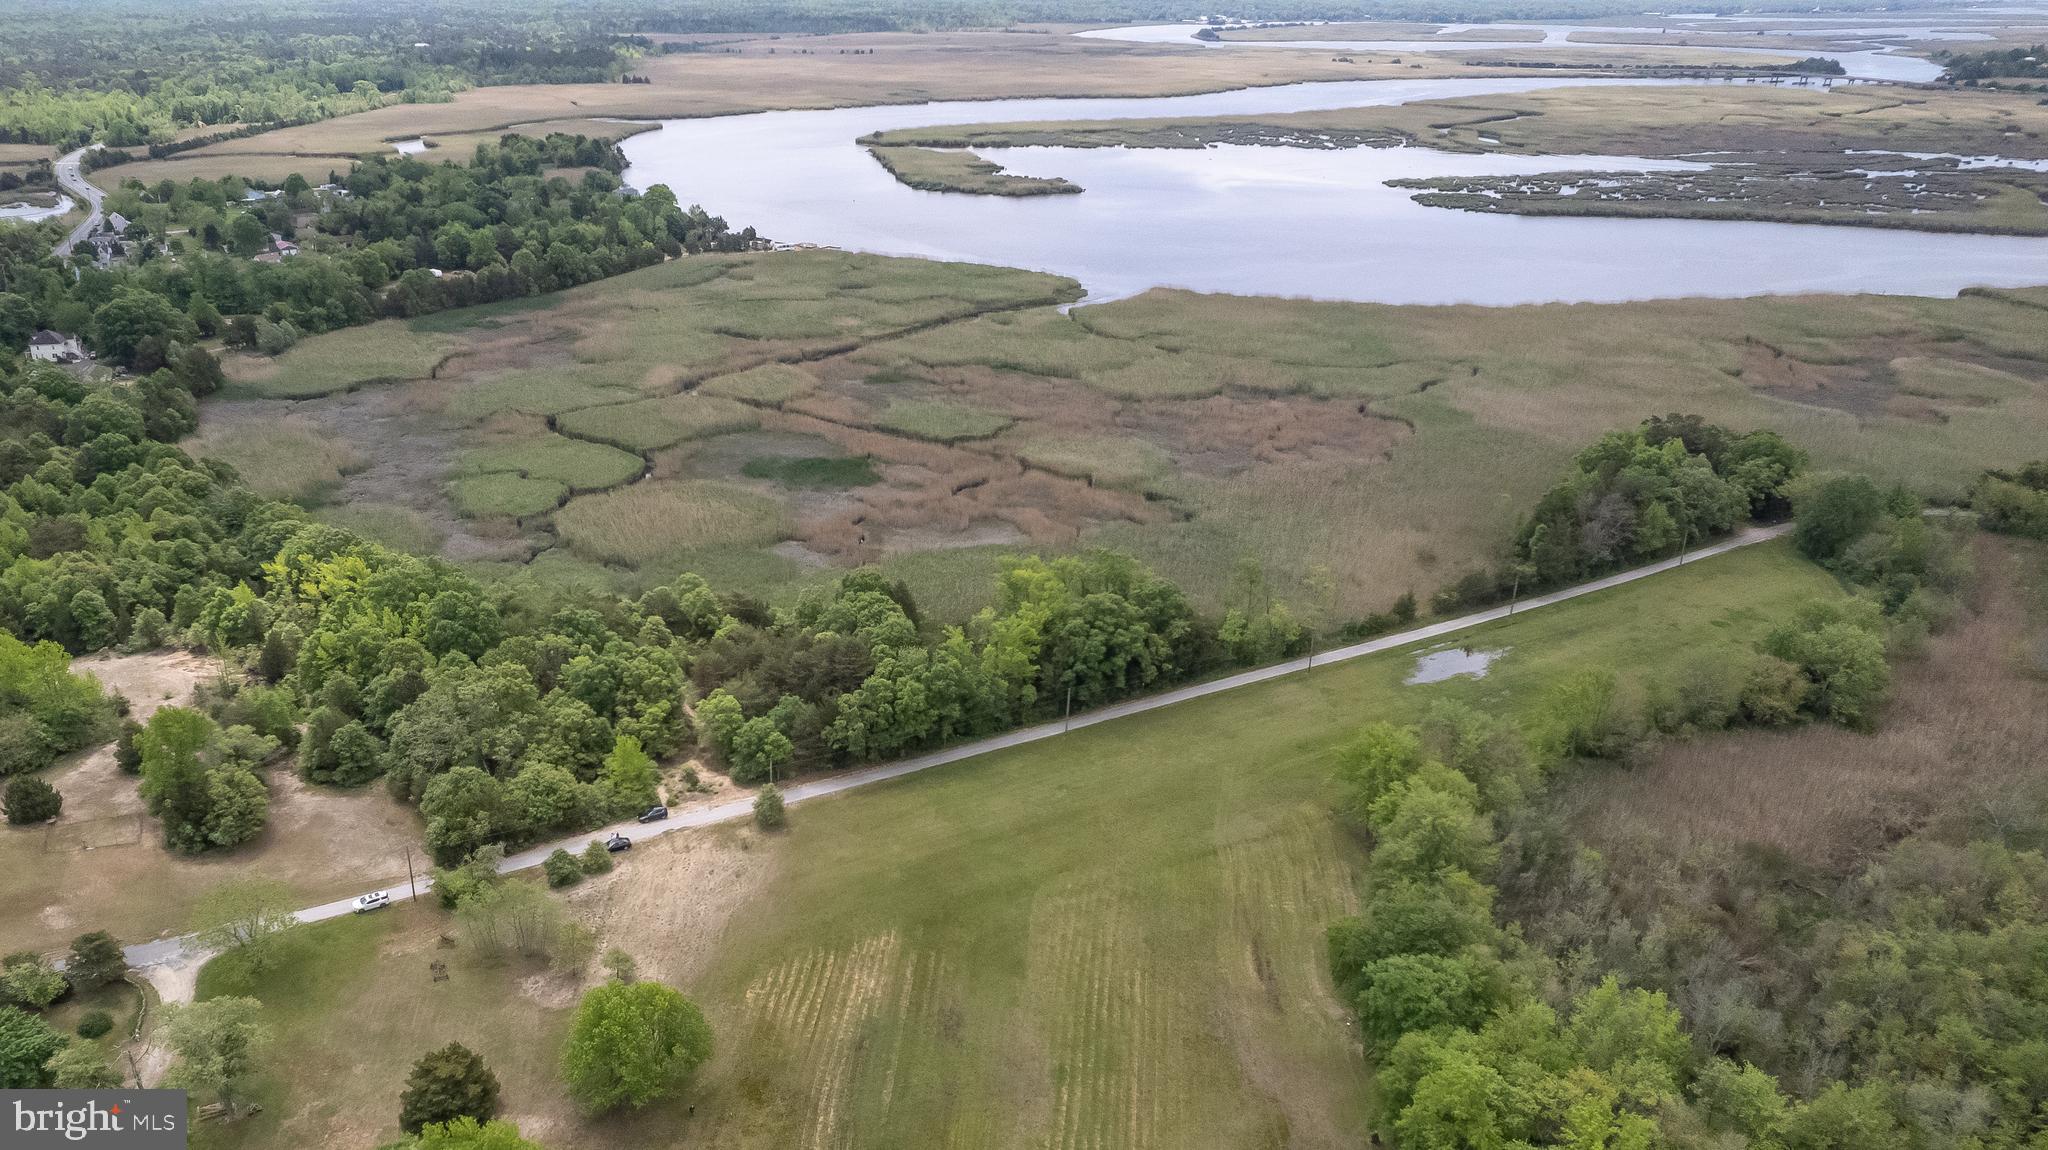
(769, 420)
(951, 170)
(1919, 159)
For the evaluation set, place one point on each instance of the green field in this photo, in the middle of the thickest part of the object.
(1109, 939)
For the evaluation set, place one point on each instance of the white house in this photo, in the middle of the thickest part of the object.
(51, 347)
(117, 223)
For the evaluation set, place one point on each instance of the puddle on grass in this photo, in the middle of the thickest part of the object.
(1449, 663)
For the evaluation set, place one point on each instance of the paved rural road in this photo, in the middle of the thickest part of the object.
(170, 949)
(71, 177)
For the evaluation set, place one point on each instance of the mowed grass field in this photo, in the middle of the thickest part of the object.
(608, 430)
(1109, 939)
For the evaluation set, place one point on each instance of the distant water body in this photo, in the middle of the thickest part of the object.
(1278, 221)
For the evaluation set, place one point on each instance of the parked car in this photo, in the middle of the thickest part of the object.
(654, 814)
(618, 843)
(375, 900)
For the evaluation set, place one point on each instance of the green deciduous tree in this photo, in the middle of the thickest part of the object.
(631, 1044)
(26, 1044)
(244, 917)
(26, 980)
(82, 1066)
(218, 1044)
(630, 775)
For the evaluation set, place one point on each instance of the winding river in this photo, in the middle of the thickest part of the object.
(1282, 221)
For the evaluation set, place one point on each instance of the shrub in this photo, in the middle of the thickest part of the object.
(95, 1023)
(768, 811)
(562, 868)
(445, 1085)
(596, 859)
(126, 755)
(95, 960)
(31, 800)
(620, 966)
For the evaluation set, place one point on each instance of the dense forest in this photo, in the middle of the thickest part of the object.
(400, 237)
(127, 73)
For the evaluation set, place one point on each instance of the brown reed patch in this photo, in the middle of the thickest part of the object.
(1966, 722)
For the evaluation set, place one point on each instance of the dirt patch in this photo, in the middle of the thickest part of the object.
(150, 680)
(552, 990)
(669, 904)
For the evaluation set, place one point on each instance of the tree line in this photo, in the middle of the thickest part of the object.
(127, 73)
(409, 237)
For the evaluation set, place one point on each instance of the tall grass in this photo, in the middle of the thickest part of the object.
(647, 521)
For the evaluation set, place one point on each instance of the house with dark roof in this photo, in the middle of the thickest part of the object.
(54, 347)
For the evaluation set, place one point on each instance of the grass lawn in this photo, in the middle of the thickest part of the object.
(1108, 939)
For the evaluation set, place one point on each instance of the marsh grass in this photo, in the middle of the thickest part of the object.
(1112, 461)
(648, 521)
(931, 170)
(506, 495)
(579, 465)
(402, 528)
(648, 424)
(773, 384)
(537, 391)
(381, 352)
(289, 458)
(939, 420)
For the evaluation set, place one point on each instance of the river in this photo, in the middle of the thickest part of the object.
(1278, 221)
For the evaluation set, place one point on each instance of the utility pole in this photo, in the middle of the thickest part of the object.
(411, 880)
(1068, 723)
